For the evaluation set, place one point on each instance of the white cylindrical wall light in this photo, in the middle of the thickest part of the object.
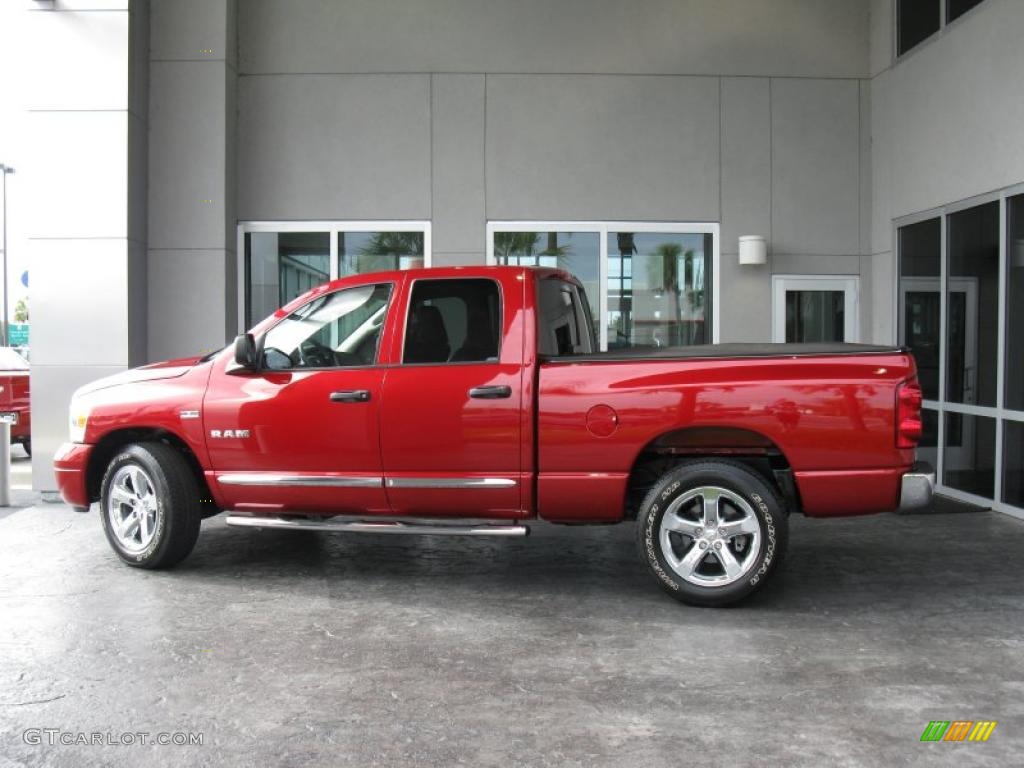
(753, 250)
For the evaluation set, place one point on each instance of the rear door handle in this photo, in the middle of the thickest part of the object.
(491, 393)
(351, 396)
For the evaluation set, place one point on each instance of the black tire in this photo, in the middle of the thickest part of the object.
(27, 445)
(177, 509)
(741, 484)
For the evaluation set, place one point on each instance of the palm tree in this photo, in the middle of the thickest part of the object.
(391, 247)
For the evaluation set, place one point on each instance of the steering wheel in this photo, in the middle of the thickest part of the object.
(313, 354)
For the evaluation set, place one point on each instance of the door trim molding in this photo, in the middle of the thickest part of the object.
(361, 481)
(451, 482)
(277, 478)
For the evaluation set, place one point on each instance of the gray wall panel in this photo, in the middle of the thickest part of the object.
(815, 166)
(191, 30)
(334, 147)
(457, 115)
(815, 264)
(593, 147)
(823, 38)
(746, 296)
(881, 29)
(186, 154)
(884, 328)
(457, 259)
(186, 303)
(881, 163)
(746, 160)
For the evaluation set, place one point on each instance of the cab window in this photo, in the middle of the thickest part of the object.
(340, 329)
(453, 321)
(564, 326)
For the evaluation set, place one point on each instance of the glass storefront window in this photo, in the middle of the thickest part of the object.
(1014, 352)
(969, 454)
(647, 284)
(282, 260)
(928, 447)
(281, 266)
(983, 270)
(578, 253)
(659, 289)
(362, 252)
(972, 305)
(1013, 463)
(920, 248)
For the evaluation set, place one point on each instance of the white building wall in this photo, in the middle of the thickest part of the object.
(945, 124)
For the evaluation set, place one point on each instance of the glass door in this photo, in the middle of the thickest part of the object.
(814, 308)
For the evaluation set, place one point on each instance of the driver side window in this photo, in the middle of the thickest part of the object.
(340, 329)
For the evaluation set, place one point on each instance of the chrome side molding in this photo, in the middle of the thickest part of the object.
(322, 481)
(450, 482)
(433, 528)
(361, 481)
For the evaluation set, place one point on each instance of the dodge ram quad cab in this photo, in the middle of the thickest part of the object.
(473, 401)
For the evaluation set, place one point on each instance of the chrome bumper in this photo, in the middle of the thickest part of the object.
(917, 487)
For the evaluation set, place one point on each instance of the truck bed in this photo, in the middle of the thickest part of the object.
(728, 351)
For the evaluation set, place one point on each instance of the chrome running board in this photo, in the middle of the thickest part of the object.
(377, 526)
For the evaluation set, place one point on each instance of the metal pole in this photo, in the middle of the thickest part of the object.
(5, 464)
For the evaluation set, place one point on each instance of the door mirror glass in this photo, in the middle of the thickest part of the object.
(245, 351)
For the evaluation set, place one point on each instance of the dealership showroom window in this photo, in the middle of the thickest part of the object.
(511, 383)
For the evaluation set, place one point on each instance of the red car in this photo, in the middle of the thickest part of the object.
(14, 397)
(473, 401)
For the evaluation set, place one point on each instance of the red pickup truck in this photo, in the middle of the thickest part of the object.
(473, 401)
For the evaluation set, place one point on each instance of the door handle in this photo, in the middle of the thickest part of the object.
(491, 393)
(351, 396)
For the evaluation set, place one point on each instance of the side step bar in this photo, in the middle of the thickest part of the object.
(376, 526)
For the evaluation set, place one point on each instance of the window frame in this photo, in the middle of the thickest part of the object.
(942, 407)
(332, 228)
(602, 228)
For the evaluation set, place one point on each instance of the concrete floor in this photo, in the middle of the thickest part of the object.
(311, 649)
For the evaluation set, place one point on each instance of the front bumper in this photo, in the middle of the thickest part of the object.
(69, 464)
(917, 487)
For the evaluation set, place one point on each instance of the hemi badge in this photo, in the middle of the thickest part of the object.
(189, 414)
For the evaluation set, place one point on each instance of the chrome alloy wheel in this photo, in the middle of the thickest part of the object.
(710, 536)
(131, 508)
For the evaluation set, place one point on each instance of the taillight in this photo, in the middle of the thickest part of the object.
(908, 414)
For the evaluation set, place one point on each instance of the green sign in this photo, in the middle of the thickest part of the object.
(17, 334)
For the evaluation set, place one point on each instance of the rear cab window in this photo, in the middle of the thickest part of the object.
(453, 321)
(564, 325)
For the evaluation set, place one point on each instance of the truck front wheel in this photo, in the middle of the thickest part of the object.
(711, 532)
(150, 506)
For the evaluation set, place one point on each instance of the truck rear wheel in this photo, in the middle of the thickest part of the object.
(711, 532)
(150, 506)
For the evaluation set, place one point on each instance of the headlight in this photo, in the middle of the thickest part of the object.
(79, 414)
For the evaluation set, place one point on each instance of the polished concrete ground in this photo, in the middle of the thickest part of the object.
(312, 649)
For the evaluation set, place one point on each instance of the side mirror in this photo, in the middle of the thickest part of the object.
(245, 351)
